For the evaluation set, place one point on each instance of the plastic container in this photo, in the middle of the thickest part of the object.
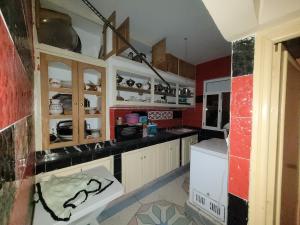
(132, 118)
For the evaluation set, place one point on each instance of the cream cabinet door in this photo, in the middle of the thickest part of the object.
(149, 164)
(163, 159)
(185, 151)
(186, 148)
(132, 170)
(174, 154)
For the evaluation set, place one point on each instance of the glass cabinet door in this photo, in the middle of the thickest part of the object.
(91, 103)
(59, 101)
(211, 110)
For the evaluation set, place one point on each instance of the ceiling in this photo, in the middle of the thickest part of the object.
(237, 19)
(175, 20)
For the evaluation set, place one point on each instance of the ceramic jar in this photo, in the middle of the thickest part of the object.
(55, 107)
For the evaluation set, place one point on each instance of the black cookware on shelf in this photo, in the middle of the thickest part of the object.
(65, 130)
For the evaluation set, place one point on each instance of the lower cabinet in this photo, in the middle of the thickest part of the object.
(144, 165)
(138, 168)
(186, 148)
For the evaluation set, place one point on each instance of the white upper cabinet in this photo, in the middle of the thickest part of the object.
(135, 84)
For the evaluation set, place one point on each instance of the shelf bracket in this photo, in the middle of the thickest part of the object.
(108, 24)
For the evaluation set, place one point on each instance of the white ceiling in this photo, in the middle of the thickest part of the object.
(150, 21)
(237, 19)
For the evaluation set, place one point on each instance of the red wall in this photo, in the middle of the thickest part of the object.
(209, 70)
(240, 135)
(16, 128)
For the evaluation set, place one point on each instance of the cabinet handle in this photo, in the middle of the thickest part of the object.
(144, 157)
(75, 103)
(81, 104)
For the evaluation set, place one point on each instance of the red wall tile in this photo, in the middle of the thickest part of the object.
(210, 70)
(241, 96)
(239, 177)
(16, 88)
(16, 98)
(240, 135)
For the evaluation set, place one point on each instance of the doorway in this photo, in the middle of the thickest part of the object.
(288, 194)
(274, 165)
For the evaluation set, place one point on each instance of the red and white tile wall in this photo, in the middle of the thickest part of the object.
(16, 128)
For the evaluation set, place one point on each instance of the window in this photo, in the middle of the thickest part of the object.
(216, 103)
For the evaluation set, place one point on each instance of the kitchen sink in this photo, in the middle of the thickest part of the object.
(180, 130)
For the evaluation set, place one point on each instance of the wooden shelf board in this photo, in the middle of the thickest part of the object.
(96, 115)
(61, 90)
(92, 140)
(61, 144)
(131, 89)
(62, 116)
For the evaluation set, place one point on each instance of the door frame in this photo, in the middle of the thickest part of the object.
(265, 124)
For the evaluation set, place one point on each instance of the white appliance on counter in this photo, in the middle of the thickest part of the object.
(209, 178)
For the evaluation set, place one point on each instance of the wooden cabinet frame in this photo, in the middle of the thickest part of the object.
(45, 59)
(82, 116)
(265, 151)
(77, 91)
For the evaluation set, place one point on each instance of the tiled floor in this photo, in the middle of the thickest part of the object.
(168, 188)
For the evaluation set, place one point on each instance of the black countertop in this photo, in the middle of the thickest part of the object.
(69, 156)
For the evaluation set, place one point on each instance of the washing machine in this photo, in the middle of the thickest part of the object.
(209, 178)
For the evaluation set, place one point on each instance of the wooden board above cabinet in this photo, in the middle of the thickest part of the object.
(109, 38)
(159, 55)
(187, 70)
(123, 29)
(170, 63)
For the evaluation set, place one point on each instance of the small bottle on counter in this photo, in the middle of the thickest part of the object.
(145, 130)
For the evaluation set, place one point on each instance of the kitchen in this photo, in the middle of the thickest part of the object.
(93, 106)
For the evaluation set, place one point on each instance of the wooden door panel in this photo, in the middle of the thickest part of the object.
(124, 30)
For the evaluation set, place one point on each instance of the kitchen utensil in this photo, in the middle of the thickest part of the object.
(186, 92)
(152, 130)
(65, 129)
(54, 83)
(130, 82)
(119, 121)
(130, 55)
(119, 79)
(55, 107)
(138, 85)
(132, 118)
(95, 133)
(147, 86)
(138, 58)
(62, 34)
(92, 110)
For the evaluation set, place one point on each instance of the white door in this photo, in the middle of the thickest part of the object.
(148, 164)
(185, 151)
(132, 170)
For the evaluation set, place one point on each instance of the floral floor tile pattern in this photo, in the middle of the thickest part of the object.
(160, 213)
